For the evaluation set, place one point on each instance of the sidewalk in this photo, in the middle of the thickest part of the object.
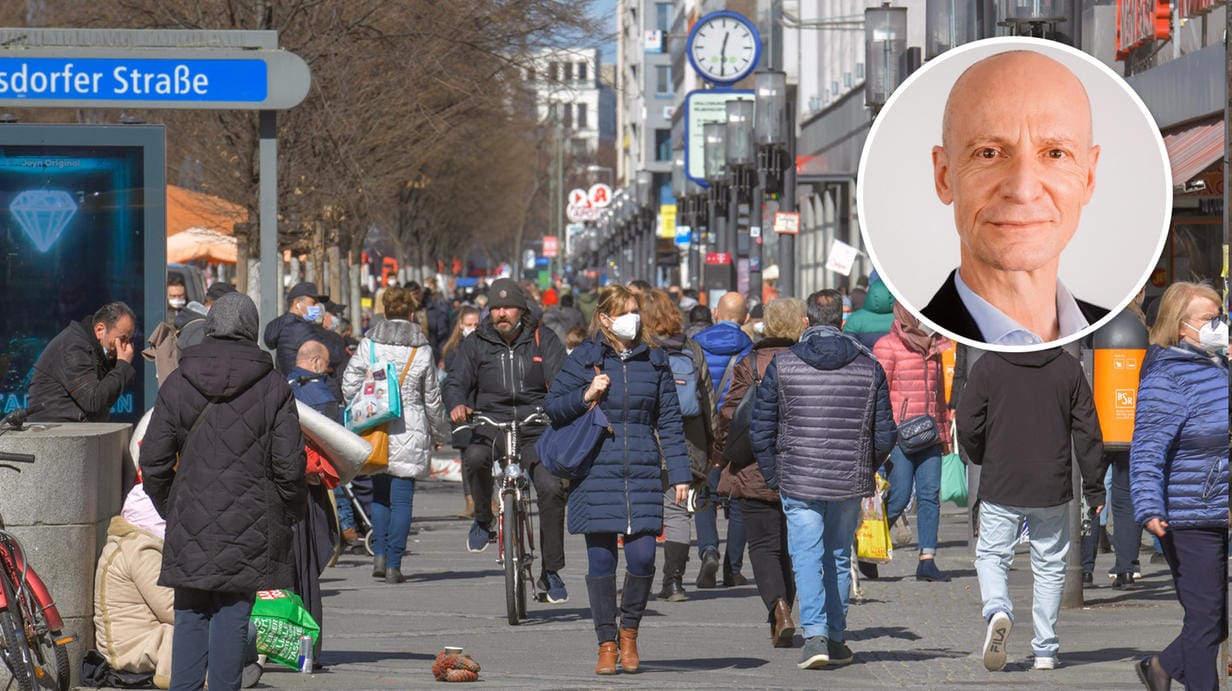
(904, 634)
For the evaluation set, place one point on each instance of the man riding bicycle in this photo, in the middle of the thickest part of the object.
(503, 370)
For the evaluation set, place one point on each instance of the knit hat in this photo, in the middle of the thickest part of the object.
(218, 289)
(233, 317)
(506, 293)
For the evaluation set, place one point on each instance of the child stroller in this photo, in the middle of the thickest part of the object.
(363, 524)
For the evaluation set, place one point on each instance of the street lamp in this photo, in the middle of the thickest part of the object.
(595, 168)
(684, 215)
(714, 164)
(644, 226)
(885, 43)
(773, 130)
(741, 157)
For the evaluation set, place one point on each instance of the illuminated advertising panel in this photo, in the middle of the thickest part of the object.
(81, 224)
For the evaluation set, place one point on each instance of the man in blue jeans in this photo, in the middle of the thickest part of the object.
(821, 451)
(1022, 417)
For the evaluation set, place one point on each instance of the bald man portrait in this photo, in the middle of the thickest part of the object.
(1017, 163)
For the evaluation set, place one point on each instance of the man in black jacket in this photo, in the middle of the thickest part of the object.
(84, 369)
(503, 370)
(301, 323)
(223, 462)
(1021, 417)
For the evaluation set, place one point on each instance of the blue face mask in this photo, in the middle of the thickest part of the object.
(314, 313)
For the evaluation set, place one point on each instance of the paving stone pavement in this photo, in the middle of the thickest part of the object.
(904, 633)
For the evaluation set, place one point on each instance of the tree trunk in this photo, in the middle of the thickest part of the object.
(318, 254)
(241, 266)
(356, 296)
(334, 276)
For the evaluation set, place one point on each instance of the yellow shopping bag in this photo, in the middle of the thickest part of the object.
(873, 536)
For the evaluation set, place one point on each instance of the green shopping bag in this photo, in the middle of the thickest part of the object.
(281, 618)
(954, 479)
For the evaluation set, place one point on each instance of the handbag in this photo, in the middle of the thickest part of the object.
(919, 432)
(378, 435)
(738, 450)
(873, 541)
(568, 450)
(379, 398)
(953, 476)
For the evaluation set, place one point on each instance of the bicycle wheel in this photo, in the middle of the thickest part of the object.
(16, 653)
(509, 550)
(523, 561)
(51, 660)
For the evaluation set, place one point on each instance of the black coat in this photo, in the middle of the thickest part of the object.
(74, 381)
(239, 484)
(501, 379)
(287, 333)
(946, 310)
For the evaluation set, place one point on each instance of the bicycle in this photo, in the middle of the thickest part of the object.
(515, 530)
(32, 643)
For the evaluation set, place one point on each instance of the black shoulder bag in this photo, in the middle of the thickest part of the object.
(920, 432)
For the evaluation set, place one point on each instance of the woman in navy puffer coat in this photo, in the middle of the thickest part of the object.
(623, 492)
(1178, 474)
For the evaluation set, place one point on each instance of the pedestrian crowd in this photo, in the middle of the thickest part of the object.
(787, 416)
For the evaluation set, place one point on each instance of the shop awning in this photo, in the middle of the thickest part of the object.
(201, 244)
(1193, 149)
(189, 209)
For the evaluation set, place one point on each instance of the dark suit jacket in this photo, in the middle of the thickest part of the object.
(946, 309)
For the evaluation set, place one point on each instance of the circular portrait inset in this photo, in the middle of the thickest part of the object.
(1014, 193)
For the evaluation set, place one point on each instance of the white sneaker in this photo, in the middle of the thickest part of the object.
(995, 641)
(1042, 662)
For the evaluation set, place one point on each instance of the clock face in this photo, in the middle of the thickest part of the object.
(724, 48)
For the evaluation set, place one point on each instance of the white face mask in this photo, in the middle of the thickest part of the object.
(626, 326)
(177, 303)
(1214, 339)
(467, 330)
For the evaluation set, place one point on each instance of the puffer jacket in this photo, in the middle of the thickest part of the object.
(746, 482)
(873, 320)
(504, 380)
(1178, 460)
(230, 493)
(134, 617)
(423, 419)
(921, 385)
(721, 343)
(821, 423)
(623, 492)
(74, 381)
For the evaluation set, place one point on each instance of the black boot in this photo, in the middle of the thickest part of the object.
(633, 599)
(675, 557)
(378, 567)
(602, 592)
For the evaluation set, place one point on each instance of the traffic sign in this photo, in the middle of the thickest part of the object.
(718, 258)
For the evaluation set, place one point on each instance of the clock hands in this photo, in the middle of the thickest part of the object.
(723, 55)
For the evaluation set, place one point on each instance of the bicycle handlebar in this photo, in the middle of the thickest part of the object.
(482, 419)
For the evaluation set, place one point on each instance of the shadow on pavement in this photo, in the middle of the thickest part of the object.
(354, 657)
(702, 664)
(427, 577)
(1086, 657)
(883, 632)
(913, 655)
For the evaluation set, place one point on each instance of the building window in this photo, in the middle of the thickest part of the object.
(663, 79)
(663, 16)
(581, 71)
(663, 145)
(582, 121)
(568, 119)
(568, 70)
(553, 71)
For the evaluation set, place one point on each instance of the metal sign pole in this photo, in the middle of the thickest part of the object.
(268, 185)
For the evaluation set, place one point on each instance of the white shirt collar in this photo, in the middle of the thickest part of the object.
(999, 329)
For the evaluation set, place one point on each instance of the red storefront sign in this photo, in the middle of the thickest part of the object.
(1139, 22)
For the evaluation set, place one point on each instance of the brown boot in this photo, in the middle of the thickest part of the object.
(607, 658)
(629, 660)
(783, 630)
(469, 511)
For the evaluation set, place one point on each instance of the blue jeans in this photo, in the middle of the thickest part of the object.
(346, 515)
(819, 538)
(924, 469)
(392, 500)
(994, 553)
(211, 630)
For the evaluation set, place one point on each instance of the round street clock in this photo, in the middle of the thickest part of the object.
(724, 47)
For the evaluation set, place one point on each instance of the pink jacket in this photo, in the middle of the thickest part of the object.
(905, 371)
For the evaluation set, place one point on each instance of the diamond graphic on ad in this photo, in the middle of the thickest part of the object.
(43, 214)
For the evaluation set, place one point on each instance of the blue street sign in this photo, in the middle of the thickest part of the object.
(106, 79)
(684, 235)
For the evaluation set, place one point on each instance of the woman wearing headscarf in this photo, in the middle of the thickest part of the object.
(911, 358)
(1178, 475)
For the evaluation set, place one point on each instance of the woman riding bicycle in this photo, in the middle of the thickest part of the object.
(622, 495)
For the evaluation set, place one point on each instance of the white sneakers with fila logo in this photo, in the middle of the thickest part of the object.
(995, 641)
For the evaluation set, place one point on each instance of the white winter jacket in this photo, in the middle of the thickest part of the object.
(423, 412)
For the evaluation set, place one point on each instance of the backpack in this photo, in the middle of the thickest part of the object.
(684, 373)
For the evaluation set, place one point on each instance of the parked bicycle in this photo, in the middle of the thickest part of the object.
(32, 642)
(515, 530)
